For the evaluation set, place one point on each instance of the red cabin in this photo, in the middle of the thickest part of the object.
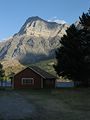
(33, 77)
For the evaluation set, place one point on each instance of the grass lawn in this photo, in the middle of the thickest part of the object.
(56, 104)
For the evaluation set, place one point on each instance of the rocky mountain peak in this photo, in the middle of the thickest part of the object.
(38, 26)
(36, 40)
(34, 18)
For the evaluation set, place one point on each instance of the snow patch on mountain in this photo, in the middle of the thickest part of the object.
(55, 19)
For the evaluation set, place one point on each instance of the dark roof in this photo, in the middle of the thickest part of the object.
(42, 73)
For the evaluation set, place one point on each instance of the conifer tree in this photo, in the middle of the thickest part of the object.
(85, 19)
(73, 56)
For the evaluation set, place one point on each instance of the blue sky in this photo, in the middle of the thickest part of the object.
(13, 13)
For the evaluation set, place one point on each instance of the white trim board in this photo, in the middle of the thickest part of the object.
(27, 83)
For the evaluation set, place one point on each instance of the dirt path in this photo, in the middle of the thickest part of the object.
(13, 106)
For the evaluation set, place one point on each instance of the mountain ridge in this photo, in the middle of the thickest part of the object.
(36, 40)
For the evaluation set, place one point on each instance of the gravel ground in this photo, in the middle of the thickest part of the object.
(13, 106)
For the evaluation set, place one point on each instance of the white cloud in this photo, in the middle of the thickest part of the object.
(55, 19)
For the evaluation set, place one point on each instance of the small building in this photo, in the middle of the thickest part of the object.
(33, 77)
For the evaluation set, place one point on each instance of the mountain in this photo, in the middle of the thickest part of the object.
(36, 40)
(78, 25)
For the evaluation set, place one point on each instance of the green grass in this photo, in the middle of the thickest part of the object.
(53, 104)
(46, 65)
(60, 104)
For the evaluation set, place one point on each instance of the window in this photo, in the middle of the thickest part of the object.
(27, 81)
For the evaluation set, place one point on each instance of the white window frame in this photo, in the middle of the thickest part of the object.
(27, 83)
